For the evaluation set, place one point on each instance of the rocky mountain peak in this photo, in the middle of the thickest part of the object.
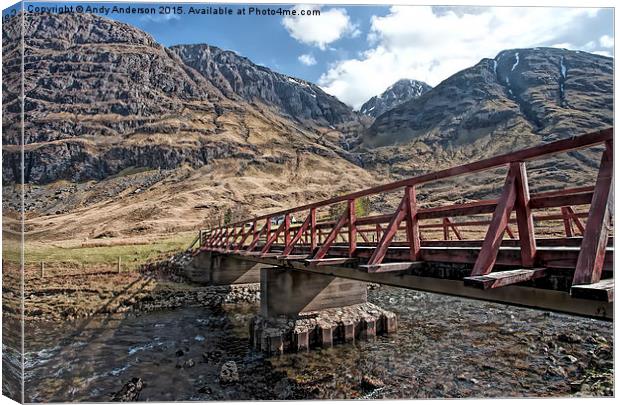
(102, 97)
(542, 92)
(237, 76)
(398, 93)
(74, 30)
(559, 78)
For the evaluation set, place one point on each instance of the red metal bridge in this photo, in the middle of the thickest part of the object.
(507, 262)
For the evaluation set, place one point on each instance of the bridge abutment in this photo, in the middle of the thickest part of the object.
(301, 310)
(216, 269)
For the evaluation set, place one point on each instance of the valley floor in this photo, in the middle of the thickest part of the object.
(445, 347)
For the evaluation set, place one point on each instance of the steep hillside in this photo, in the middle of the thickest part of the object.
(235, 75)
(125, 138)
(398, 93)
(545, 92)
(115, 120)
(521, 98)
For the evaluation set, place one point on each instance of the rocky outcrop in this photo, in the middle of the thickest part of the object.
(89, 76)
(398, 93)
(102, 96)
(235, 75)
(92, 85)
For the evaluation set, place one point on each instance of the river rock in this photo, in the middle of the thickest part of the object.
(371, 383)
(569, 338)
(229, 373)
(571, 358)
(557, 371)
(130, 391)
(212, 356)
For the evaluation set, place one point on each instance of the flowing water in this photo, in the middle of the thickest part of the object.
(444, 347)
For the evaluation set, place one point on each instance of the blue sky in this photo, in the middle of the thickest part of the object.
(355, 52)
(262, 39)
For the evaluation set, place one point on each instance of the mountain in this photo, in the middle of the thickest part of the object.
(535, 94)
(235, 75)
(398, 93)
(121, 135)
(102, 96)
(124, 136)
(520, 98)
(95, 91)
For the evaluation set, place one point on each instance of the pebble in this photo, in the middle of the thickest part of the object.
(371, 383)
(229, 373)
(569, 338)
(571, 358)
(558, 371)
(130, 391)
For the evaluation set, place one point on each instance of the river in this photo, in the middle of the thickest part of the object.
(444, 347)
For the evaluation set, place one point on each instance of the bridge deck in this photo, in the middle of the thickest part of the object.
(570, 273)
(520, 295)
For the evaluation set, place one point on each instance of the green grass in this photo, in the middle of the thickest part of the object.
(131, 255)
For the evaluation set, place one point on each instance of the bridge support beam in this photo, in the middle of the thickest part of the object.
(301, 310)
(213, 268)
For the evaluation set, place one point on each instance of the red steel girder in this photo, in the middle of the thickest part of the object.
(592, 254)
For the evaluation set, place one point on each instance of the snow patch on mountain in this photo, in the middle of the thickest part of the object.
(516, 62)
(398, 93)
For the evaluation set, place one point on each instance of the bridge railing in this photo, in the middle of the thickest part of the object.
(260, 235)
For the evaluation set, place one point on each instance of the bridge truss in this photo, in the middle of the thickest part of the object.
(507, 263)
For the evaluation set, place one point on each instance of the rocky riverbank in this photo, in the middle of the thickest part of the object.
(160, 285)
(445, 347)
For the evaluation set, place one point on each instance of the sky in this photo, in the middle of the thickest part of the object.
(356, 52)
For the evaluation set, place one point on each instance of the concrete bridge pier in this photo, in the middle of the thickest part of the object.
(300, 310)
(213, 268)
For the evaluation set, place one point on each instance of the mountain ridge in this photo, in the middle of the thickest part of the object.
(122, 137)
(116, 123)
(542, 91)
(234, 74)
(399, 92)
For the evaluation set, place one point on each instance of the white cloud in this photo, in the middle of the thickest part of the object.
(563, 45)
(420, 43)
(606, 41)
(320, 30)
(160, 18)
(307, 59)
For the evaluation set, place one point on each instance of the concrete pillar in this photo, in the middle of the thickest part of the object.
(293, 292)
(216, 269)
(302, 310)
